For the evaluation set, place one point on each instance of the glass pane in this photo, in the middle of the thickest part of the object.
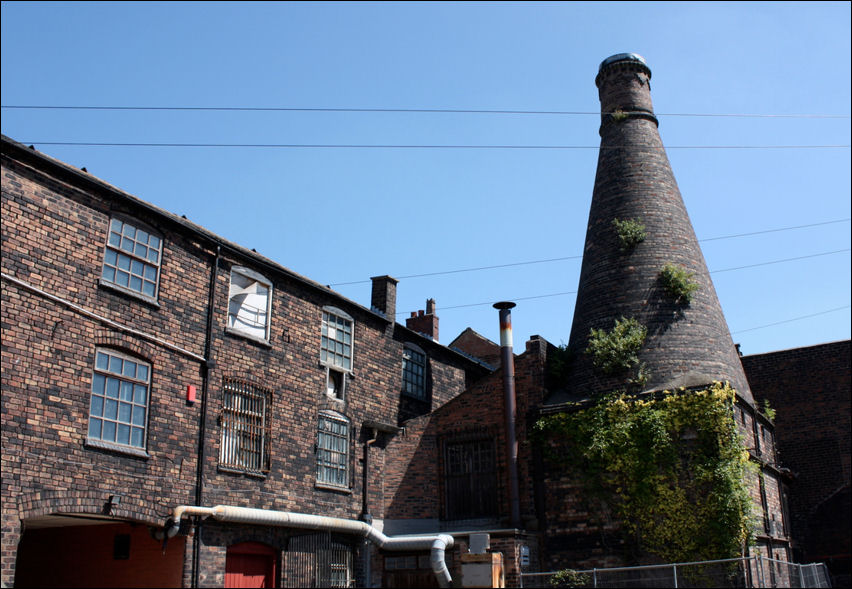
(127, 244)
(115, 364)
(142, 372)
(141, 250)
(137, 268)
(148, 288)
(94, 428)
(154, 242)
(110, 257)
(98, 382)
(153, 255)
(97, 406)
(115, 225)
(102, 361)
(112, 386)
(150, 273)
(123, 262)
(129, 369)
(108, 431)
(138, 416)
(110, 409)
(122, 278)
(136, 283)
(124, 412)
(123, 434)
(129, 230)
(136, 437)
(141, 236)
(109, 274)
(140, 394)
(114, 239)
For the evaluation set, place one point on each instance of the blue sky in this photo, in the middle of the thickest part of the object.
(340, 215)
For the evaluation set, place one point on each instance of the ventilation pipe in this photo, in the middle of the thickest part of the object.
(437, 543)
(509, 403)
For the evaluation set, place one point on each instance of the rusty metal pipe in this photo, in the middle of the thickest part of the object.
(508, 360)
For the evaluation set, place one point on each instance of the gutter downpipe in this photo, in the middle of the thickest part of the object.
(202, 428)
(508, 361)
(437, 543)
(366, 517)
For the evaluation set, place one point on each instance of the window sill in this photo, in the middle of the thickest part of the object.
(131, 293)
(252, 338)
(248, 473)
(327, 487)
(128, 450)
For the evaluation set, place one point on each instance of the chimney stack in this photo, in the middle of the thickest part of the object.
(424, 322)
(687, 343)
(383, 298)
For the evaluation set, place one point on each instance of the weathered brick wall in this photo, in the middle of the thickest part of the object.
(810, 390)
(55, 222)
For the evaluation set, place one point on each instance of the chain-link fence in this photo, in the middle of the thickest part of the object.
(737, 572)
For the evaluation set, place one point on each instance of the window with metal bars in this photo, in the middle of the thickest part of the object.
(470, 479)
(132, 258)
(414, 373)
(245, 426)
(333, 450)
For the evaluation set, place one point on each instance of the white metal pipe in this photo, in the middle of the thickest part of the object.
(436, 544)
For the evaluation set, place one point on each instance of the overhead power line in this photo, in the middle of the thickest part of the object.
(791, 320)
(415, 146)
(577, 257)
(404, 110)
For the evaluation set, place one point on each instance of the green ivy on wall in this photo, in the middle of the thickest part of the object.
(672, 469)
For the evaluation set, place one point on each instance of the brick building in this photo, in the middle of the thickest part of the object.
(149, 364)
(180, 411)
(810, 390)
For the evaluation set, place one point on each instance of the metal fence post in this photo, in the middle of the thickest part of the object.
(801, 576)
(594, 577)
(760, 570)
(674, 572)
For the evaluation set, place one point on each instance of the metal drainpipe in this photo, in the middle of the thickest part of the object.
(202, 429)
(508, 360)
(365, 513)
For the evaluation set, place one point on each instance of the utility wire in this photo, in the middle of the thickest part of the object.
(561, 259)
(557, 294)
(791, 320)
(405, 110)
(423, 146)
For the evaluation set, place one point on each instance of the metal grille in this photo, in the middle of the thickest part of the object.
(333, 451)
(245, 427)
(470, 479)
(318, 560)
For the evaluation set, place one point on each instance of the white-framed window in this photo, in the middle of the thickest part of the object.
(132, 258)
(336, 339)
(249, 301)
(414, 372)
(333, 450)
(118, 411)
(245, 426)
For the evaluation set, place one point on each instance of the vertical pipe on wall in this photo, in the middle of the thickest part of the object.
(202, 427)
(508, 361)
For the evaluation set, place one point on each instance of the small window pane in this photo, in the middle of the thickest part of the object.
(126, 391)
(112, 386)
(109, 274)
(141, 250)
(97, 405)
(136, 268)
(94, 428)
(136, 283)
(114, 239)
(136, 436)
(148, 288)
(142, 373)
(102, 361)
(140, 394)
(154, 242)
(123, 434)
(138, 416)
(111, 409)
(126, 244)
(111, 257)
(109, 431)
(98, 383)
(115, 364)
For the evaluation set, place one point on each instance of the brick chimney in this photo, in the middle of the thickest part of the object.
(383, 297)
(687, 342)
(425, 323)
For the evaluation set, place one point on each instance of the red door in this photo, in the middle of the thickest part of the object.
(250, 564)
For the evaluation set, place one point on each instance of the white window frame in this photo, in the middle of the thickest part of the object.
(337, 339)
(409, 386)
(120, 400)
(333, 450)
(239, 312)
(132, 253)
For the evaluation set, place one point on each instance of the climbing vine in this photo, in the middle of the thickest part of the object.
(671, 468)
